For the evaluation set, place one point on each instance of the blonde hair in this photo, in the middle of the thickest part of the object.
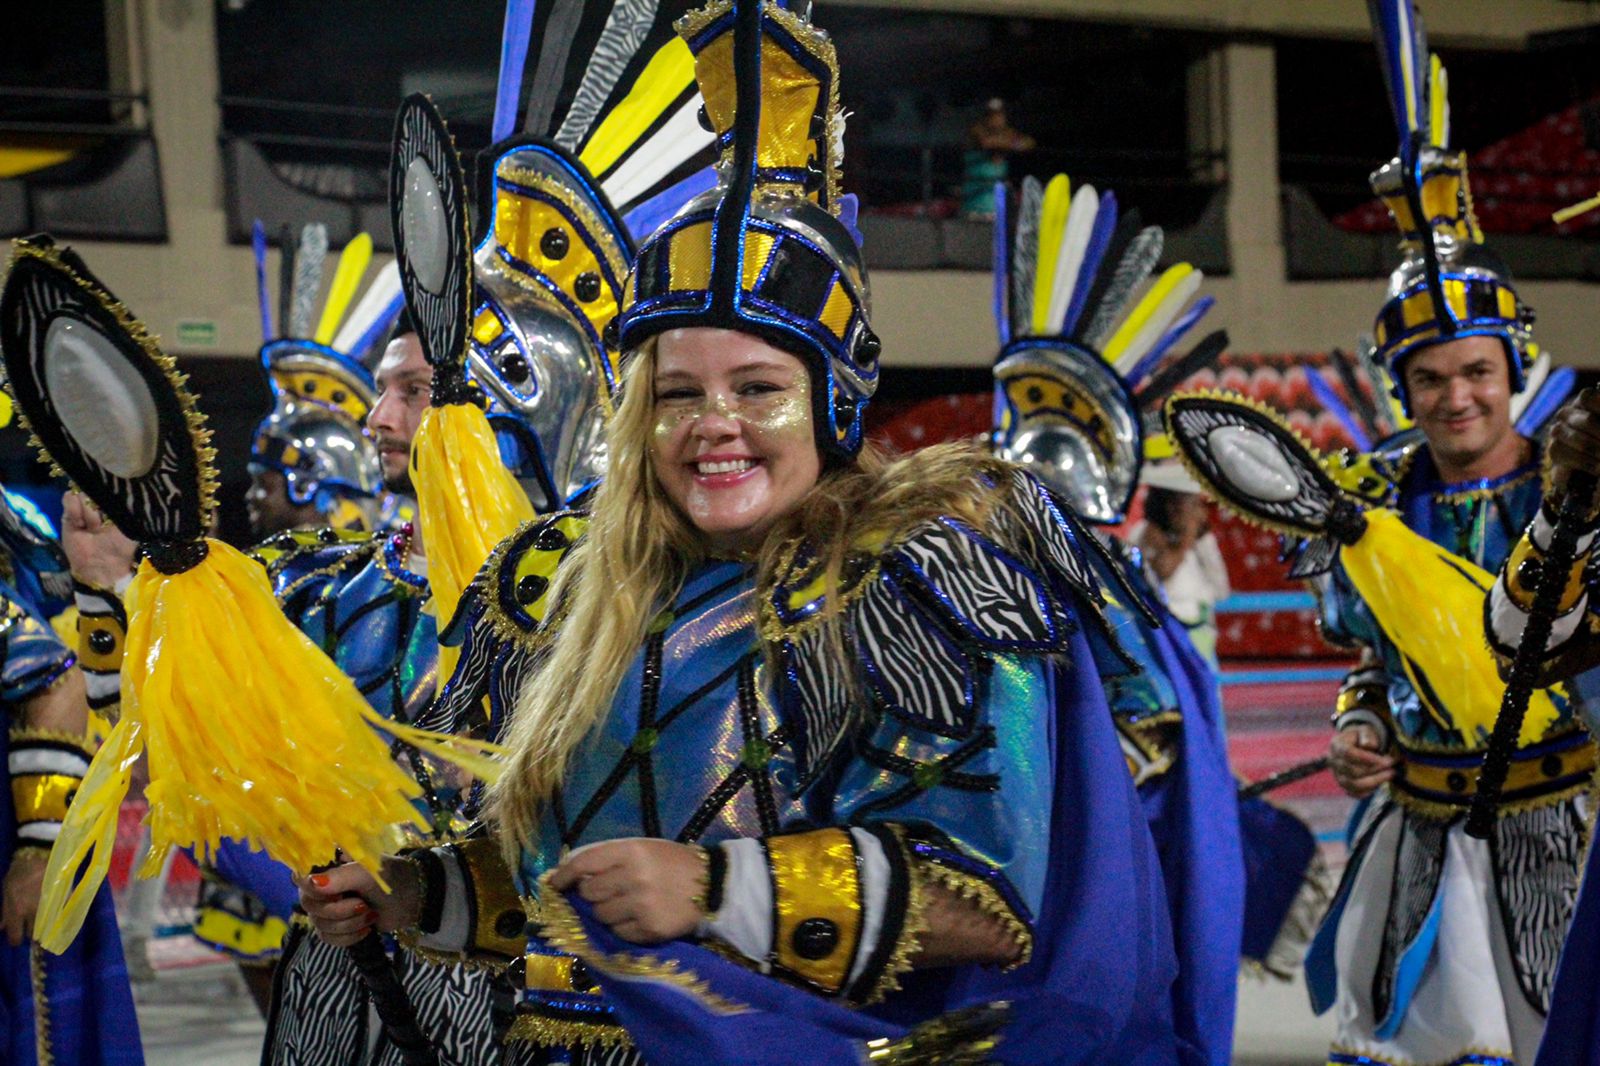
(639, 548)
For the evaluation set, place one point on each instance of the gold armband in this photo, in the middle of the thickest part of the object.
(1524, 570)
(46, 768)
(816, 893)
(499, 923)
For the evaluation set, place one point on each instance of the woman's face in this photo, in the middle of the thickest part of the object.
(733, 445)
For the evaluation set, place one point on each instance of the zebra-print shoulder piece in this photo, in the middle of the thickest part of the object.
(925, 618)
(503, 619)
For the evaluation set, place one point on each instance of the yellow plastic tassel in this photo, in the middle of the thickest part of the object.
(467, 502)
(252, 733)
(1429, 603)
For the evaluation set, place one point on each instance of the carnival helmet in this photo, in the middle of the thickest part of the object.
(559, 202)
(1088, 349)
(767, 251)
(1449, 284)
(314, 435)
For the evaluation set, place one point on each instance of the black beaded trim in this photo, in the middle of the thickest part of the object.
(431, 869)
(173, 557)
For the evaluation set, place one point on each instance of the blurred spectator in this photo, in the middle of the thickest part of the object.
(1180, 548)
(991, 141)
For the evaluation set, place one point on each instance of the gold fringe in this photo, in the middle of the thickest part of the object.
(344, 560)
(990, 902)
(530, 1028)
(912, 926)
(564, 932)
(21, 734)
(411, 941)
(41, 1008)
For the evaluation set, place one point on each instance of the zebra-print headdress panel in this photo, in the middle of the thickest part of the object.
(428, 207)
(101, 399)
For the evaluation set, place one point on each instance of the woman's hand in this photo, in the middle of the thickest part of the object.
(645, 891)
(19, 894)
(97, 551)
(345, 903)
(1357, 761)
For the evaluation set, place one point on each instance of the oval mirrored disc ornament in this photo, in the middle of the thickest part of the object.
(101, 399)
(1251, 460)
(428, 210)
(426, 240)
(1254, 463)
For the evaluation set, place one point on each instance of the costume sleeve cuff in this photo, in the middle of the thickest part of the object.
(825, 909)
(1510, 601)
(470, 906)
(102, 635)
(46, 768)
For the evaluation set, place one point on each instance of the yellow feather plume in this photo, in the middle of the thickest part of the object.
(1135, 322)
(467, 502)
(1052, 228)
(353, 262)
(252, 733)
(1429, 603)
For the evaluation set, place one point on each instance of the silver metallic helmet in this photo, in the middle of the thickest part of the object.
(1065, 414)
(326, 460)
(548, 279)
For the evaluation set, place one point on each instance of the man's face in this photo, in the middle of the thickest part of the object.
(267, 501)
(405, 387)
(1460, 394)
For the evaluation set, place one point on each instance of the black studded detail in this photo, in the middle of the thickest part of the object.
(844, 412)
(579, 977)
(611, 336)
(311, 387)
(1529, 571)
(1456, 781)
(551, 539)
(819, 126)
(586, 287)
(868, 348)
(101, 642)
(704, 118)
(340, 396)
(328, 535)
(509, 924)
(284, 541)
(815, 938)
(555, 243)
(530, 588)
(1550, 766)
(514, 368)
(1035, 394)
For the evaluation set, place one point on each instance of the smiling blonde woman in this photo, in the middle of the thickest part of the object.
(809, 758)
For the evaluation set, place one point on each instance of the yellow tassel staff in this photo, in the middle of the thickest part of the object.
(467, 500)
(252, 732)
(1428, 601)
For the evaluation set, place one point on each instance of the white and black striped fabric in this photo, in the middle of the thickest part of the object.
(321, 1013)
(945, 600)
(1538, 856)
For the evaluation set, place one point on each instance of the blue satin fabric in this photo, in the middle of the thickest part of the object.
(84, 994)
(1065, 827)
(1193, 814)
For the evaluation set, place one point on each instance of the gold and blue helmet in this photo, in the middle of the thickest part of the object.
(1088, 341)
(1449, 285)
(765, 252)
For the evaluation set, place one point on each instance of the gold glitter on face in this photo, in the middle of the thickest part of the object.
(733, 444)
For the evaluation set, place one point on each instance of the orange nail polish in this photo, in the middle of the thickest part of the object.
(320, 880)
